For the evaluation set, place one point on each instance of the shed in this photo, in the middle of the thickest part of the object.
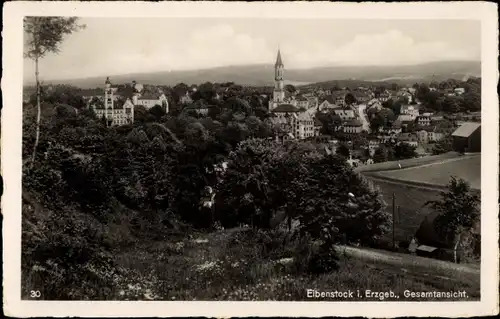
(427, 251)
(467, 138)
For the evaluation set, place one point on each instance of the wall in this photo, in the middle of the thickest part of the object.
(475, 141)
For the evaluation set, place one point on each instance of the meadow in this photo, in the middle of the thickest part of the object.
(421, 180)
(411, 200)
(412, 162)
(467, 168)
(238, 265)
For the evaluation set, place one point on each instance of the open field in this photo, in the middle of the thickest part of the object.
(226, 266)
(467, 168)
(411, 200)
(392, 165)
(420, 180)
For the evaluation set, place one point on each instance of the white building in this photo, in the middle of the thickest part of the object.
(149, 100)
(410, 110)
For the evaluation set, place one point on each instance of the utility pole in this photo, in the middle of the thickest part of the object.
(393, 220)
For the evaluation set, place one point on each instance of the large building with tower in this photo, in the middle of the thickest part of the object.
(113, 111)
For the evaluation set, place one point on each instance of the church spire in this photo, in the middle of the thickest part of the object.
(279, 62)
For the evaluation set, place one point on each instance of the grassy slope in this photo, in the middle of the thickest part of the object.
(468, 169)
(413, 185)
(240, 271)
(411, 200)
(393, 165)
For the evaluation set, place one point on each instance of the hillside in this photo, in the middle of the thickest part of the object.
(233, 265)
(420, 180)
(260, 75)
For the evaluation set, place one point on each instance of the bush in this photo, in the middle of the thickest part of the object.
(324, 260)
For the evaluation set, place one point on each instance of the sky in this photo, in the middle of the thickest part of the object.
(112, 46)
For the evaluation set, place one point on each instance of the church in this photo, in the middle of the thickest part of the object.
(296, 122)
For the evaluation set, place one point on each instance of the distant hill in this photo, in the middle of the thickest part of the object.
(262, 75)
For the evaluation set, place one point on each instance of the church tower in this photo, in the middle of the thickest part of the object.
(279, 88)
(108, 102)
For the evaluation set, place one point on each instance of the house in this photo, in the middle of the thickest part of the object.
(185, 99)
(410, 110)
(386, 138)
(467, 138)
(302, 125)
(361, 97)
(404, 94)
(436, 136)
(291, 120)
(423, 120)
(408, 138)
(302, 102)
(472, 116)
(327, 103)
(423, 137)
(199, 108)
(436, 118)
(384, 96)
(395, 128)
(345, 113)
(373, 144)
(459, 91)
(353, 127)
(313, 101)
(406, 118)
(148, 100)
(429, 134)
(374, 104)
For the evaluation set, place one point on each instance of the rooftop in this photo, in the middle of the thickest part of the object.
(355, 123)
(149, 96)
(466, 129)
(285, 108)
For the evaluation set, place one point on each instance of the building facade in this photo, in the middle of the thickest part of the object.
(150, 100)
(114, 112)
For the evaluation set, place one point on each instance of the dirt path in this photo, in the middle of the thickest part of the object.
(407, 260)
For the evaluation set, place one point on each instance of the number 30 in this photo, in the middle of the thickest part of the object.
(35, 294)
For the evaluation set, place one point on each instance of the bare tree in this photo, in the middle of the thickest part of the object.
(44, 35)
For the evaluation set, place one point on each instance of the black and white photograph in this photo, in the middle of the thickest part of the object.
(251, 152)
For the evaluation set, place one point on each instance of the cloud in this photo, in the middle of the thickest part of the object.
(220, 45)
(387, 48)
(110, 46)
